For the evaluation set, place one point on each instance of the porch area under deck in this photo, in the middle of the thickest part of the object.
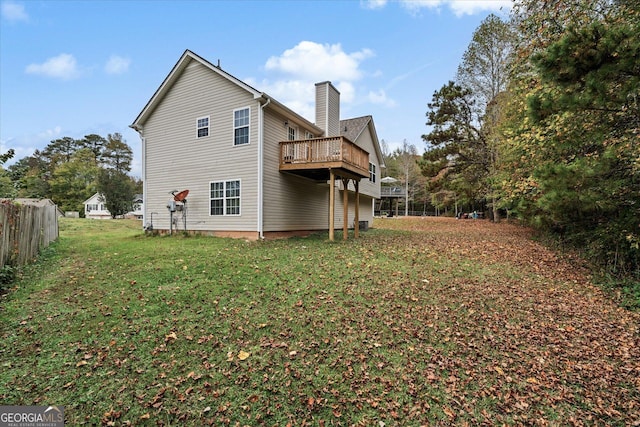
(325, 159)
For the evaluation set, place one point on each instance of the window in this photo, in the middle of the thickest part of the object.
(372, 172)
(308, 135)
(291, 133)
(241, 126)
(92, 207)
(225, 198)
(202, 126)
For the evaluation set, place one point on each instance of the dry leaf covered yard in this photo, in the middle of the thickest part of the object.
(419, 322)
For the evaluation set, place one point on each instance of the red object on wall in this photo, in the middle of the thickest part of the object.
(181, 196)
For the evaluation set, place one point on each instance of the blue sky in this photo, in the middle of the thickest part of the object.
(71, 68)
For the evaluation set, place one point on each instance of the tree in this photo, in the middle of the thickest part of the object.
(116, 187)
(30, 176)
(406, 156)
(485, 71)
(572, 130)
(117, 190)
(6, 156)
(457, 158)
(74, 181)
(6, 185)
(96, 144)
(60, 150)
(117, 154)
(487, 62)
(7, 188)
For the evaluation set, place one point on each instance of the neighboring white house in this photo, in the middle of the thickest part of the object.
(253, 167)
(137, 212)
(95, 208)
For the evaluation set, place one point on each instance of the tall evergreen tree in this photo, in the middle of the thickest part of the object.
(115, 186)
(117, 190)
(4, 157)
(96, 144)
(457, 158)
(573, 129)
(117, 154)
(60, 150)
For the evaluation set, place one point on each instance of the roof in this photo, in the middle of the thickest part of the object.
(91, 198)
(352, 128)
(186, 58)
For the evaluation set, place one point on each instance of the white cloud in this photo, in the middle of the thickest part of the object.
(49, 134)
(25, 145)
(308, 63)
(459, 7)
(63, 66)
(117, 65)
(12, 11)
(373, 4)
(319, 62)
(380, 97)
(462, 7)
(299, 95)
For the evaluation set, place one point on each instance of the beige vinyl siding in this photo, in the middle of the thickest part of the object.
(334, 113)
(365, 141)
(321, 107)
(328, 108)
(295, 203)
(176, 159)
(290, 202)
(365, 211)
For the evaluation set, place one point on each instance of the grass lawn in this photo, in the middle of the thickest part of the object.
(419, 322)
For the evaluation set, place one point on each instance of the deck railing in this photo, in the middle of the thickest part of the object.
(392, 191)
(323, 152)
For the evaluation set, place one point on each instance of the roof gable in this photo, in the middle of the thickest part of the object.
(175, 73)
(353, 128)
(93, 199)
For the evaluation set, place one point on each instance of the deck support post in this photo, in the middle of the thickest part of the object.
(332, 198)
(356, 225)
(345, 207)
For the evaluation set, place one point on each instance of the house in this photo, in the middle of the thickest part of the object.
(253, 168)
(95, 208)
(137, 212)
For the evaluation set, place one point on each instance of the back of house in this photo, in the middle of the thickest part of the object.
(225, 142)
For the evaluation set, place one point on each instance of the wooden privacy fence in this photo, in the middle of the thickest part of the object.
(25, 229)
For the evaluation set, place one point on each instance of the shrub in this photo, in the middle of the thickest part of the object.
(7, 276)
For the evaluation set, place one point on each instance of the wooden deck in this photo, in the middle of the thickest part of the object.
(396, 191)
(316, 158)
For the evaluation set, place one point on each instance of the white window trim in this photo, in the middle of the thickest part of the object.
(296, 132)
(373, 172)
(224, 199)
(208, 126)
(233, 117)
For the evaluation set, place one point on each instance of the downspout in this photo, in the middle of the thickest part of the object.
(261, 168)
(140, 130)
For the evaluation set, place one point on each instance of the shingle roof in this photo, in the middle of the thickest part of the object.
(352, 128)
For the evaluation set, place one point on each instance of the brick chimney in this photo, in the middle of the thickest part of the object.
(328, 108)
